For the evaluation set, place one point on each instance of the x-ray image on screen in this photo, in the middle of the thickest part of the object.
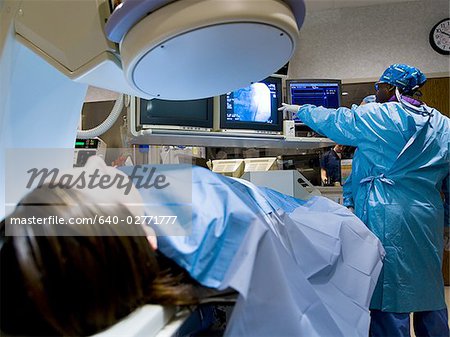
(252, 104)
(254, 107)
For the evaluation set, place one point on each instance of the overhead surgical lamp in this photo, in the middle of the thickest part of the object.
(171, 49)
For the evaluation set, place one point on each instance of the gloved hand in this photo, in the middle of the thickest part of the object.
(289, 110)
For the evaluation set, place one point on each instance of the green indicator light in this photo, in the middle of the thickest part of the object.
(79, 143)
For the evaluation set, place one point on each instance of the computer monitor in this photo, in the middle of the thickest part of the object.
(196, 115)
(252, 109)
(326, 93)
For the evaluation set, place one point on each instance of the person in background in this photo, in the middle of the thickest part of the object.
(399, 168)
(330, 166)
(369, 99)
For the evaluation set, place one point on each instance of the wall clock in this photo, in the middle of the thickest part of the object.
(440, 37)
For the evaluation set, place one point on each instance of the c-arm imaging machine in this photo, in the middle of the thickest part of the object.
(51, 50)
(154, 48)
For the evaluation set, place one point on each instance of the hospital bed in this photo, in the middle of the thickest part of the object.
(148, 321)
(165, 321)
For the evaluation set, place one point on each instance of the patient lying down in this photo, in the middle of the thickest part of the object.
(300, 267)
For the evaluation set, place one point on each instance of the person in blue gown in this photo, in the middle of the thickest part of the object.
(398, 170)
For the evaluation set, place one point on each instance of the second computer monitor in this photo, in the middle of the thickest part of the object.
(183, 115)
(326, 93)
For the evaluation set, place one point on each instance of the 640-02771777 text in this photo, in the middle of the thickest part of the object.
(97, 219)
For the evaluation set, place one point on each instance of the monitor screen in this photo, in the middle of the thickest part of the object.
(254, 107)
(192, 113)
(326, 93)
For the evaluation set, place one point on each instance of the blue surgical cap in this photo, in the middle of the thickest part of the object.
(405, 77)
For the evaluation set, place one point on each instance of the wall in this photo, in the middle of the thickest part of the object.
(435, 92)
(357, 44)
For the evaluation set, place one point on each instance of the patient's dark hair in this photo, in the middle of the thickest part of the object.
(76, 280)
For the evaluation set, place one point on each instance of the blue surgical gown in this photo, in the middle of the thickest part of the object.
(398, 170)
(301, 268)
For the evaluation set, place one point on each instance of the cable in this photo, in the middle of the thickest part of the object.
(106, 124)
